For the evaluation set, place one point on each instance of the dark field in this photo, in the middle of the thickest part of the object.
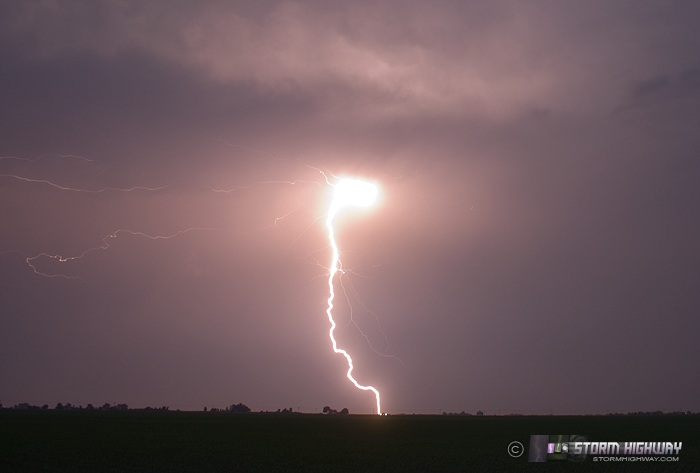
(197, 441)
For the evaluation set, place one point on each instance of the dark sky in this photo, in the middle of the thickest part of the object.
(535, 246)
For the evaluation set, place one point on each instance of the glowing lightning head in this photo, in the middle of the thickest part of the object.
(354, 192)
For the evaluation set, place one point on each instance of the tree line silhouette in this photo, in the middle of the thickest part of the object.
(241, 408)
(24, 406)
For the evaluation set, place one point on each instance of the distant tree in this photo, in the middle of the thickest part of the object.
(326, 409)
(90, 407)
(480, 413)
(44, 407)
(239, 408)
(344, 411)
(59, 406)
(106, 406)
(205, 408)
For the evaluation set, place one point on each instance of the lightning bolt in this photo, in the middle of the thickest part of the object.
(347, 192)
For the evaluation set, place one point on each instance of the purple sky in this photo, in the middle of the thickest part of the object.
(535, 248)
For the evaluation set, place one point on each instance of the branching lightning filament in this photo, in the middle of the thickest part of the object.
(347, 192)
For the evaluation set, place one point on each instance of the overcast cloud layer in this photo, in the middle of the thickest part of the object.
(535, 247)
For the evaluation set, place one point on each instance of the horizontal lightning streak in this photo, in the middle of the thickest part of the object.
(31, 260)
(47, 156)
(250, 186)
(89, 191)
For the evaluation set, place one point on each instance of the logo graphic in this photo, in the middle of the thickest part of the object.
(576, 448)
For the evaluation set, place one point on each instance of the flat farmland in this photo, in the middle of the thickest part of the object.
(197, 441)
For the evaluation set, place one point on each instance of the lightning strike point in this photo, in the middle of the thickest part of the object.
(346, 193)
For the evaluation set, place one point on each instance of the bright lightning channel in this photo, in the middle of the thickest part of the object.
(346, 193)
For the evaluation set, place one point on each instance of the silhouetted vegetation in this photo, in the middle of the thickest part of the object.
(456, 413)
(239, 408)
(655, 413)
(141, 440)
(70, 407)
